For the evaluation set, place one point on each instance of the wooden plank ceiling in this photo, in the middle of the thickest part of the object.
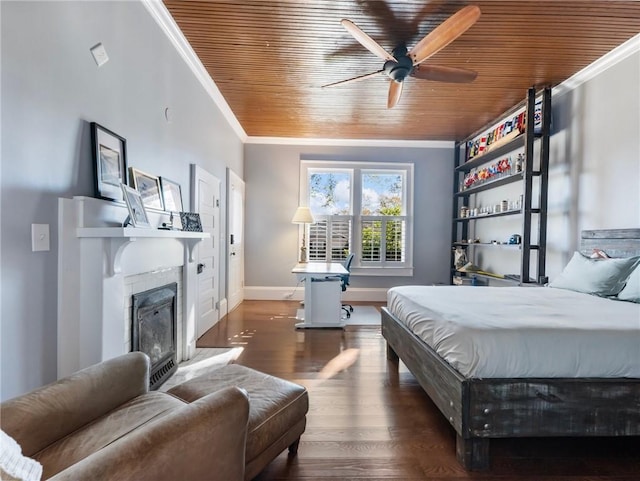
(270, 58)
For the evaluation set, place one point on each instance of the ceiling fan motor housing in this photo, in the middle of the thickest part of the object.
(400, 69)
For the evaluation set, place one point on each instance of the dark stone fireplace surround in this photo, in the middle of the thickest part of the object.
(154, 319)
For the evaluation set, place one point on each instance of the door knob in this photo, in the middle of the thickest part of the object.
(201, 267)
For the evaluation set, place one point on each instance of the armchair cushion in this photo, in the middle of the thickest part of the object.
(42, 417)
(105, 430)
(202, 440)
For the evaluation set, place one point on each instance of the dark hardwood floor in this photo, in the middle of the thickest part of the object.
(370, 420)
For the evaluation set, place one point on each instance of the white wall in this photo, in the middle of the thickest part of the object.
(594, 177)
(51, 90)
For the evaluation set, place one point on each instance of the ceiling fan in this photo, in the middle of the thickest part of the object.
(402, 63)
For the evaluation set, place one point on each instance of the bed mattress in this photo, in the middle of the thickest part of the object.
(523, 332)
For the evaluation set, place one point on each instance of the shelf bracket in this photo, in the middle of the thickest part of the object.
(117, 245)
(191, 244)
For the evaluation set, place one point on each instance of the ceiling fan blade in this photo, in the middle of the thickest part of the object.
(444, 34)
(366, 41)
(354, 79)
(444, 74)
(395, 91)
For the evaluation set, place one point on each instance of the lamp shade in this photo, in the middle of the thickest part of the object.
(303, 215)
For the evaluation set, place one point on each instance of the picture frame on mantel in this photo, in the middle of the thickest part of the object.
(190, 222)
(171, 195)
(109, 152)
(137, 213)
(149, 188)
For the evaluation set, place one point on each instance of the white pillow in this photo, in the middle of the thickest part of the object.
(13, 465)
(631, 291)
(602, 277)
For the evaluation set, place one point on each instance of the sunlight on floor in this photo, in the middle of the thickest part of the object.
(204, 361)
(336, 365)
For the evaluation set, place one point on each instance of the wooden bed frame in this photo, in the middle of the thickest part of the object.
(481, 409)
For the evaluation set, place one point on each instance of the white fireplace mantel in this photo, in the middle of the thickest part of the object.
(121, 237)
(95, 255)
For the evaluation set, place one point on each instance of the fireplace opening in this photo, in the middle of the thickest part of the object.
(153, 330)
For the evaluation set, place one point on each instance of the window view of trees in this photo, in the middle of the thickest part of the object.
(330, 193)
(379, 208)
(382, 195)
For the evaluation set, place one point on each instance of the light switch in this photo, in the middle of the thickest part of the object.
(39, 237)
(99, 54)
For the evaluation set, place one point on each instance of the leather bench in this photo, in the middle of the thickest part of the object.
(277, 410)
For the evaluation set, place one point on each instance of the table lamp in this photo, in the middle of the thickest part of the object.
(303, 216)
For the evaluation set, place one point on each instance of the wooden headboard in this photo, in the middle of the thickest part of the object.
(615, 242)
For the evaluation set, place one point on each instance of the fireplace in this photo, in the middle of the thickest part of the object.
(104, 265)
(154, 318)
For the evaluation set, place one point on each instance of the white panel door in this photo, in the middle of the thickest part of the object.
(206, 192)
(235, 221)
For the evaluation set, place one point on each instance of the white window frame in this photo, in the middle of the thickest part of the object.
(358, 267)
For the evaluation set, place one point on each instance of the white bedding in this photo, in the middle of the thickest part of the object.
(515, 332)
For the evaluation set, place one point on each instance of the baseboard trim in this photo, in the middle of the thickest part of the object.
(223, 308)
(264, 293)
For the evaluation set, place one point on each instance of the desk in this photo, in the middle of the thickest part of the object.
(322, 305)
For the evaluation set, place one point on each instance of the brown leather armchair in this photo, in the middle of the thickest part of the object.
(103, 423)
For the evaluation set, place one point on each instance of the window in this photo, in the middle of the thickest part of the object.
(364, 208)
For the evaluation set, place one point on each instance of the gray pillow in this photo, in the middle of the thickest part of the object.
(631, 291)
(602, 277)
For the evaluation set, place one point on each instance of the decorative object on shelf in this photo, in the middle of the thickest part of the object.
(515, 239)
(175, 223)
(504, 140)
(459, 258)
(537, 117)
(149, 187)
(498, 169)
(137, 213)
(304, 216)
(519, 163)
(500, 135)
(171, 195)
(109, 152)
(190, 222)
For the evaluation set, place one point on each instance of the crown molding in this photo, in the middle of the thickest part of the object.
(168, 25)
(594, 69)
(421, 144)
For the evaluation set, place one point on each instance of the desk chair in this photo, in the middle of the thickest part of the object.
(344, 282)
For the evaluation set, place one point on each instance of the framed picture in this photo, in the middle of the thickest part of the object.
(171, 195)
(109, 152)
(190, 222)
(137, 213)
(149, 187)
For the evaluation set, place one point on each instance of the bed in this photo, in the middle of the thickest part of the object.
(588, 389)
